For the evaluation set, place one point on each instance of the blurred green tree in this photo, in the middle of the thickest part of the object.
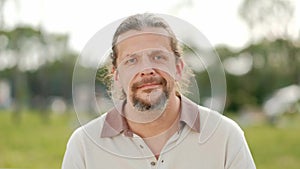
(19, 42)
(30, 50)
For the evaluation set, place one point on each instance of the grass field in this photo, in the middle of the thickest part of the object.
(276, 147)
(35, 144)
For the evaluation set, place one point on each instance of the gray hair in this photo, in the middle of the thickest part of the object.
(138, 22)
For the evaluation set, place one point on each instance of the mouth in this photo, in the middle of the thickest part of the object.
(149, 84)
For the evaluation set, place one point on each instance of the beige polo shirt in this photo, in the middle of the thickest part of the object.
(206, 140)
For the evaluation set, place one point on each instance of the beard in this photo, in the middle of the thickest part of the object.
(144, 104)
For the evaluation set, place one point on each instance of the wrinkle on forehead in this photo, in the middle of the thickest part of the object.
(144, 31)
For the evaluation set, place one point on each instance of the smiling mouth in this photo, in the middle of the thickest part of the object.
(149, 85)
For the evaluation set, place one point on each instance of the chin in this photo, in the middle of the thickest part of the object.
(157, 103)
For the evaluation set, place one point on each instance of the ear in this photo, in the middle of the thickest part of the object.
(115, 74)
(179, 69)
(116, 79)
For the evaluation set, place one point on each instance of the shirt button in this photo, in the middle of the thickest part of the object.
(129, 133)
(153, 163)
(141, 146)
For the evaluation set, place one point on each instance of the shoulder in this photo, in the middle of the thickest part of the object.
(213, 123)
(91, 129)
(74, 156)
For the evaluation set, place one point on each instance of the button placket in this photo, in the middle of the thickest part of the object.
(146, 152)
(142, 146)
(153, 162)
(160, 161)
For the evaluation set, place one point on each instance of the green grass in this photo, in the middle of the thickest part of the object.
(275, 147)
(35, 144)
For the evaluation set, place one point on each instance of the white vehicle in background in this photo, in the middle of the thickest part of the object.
(284, 100)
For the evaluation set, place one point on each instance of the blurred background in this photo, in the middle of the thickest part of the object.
(257, 41)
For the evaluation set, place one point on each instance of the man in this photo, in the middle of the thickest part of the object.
(152, 124)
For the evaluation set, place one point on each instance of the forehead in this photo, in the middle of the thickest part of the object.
(147, 39)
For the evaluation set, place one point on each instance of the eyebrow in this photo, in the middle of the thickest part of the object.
(158, 52)
(152, 52)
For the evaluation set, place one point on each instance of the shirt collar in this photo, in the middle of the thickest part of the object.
(115, 123)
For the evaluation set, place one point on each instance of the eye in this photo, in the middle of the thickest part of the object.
(131, 61)
(158, 57)
(161, 58)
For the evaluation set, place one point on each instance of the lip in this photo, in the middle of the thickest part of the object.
(149, 86)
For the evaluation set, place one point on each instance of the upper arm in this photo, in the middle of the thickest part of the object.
(238, 153)
(74, 154)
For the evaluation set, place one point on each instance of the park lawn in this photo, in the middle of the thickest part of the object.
(33, 143)
(36, 144)
(276, 147)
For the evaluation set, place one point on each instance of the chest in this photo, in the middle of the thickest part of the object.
(176, 154)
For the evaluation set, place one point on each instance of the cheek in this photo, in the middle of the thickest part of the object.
(169, 79)
(125, 82)
(126, 78)
(168, 73)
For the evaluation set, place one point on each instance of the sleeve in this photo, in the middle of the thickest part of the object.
(238, 153)
(243, 159)
(74, 155)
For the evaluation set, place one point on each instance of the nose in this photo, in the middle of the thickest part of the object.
(148, 69)
(147, 72)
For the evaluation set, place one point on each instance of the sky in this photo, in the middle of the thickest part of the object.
(218, 20)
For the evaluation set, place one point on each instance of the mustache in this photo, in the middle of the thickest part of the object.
(158, 80)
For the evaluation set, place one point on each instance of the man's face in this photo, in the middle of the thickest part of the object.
(147, 68)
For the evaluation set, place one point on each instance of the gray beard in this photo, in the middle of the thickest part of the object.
(160, 104)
